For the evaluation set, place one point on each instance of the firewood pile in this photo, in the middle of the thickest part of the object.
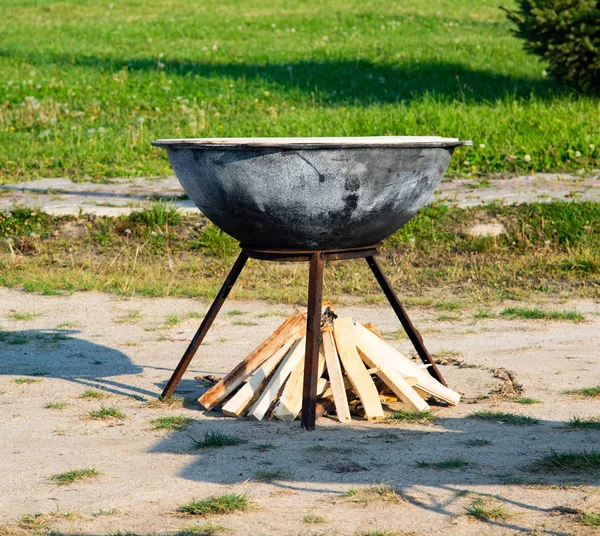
(358, 370)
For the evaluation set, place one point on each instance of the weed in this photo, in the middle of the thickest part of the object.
(216, 505)
(572, 462)
(270, 475)
(172, 320)
(592, 423)
(477, 442)
(207, 529)
(587, 392)
(214, 439)
(448, 305)
(168, 402)
(106, 413)
(22, 316)
(70, 477)
(504, 418)
(487, 510)
(527, 401)
(314, 519)
(539, 314)
(236, 312)
(111, 512)
(244, 323)
(591, 519)
(21, 381)
(450, 463)
(57, 405)
(161, 213)
(13, 337)
(175, 422)
(68, 324)
(193, 314)
(93, 394)
(214, 242)
(326, 449)
(377, 532)
(421, 417)
(376, 492)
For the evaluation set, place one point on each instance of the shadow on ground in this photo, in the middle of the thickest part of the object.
(336, 81)
(58, 353)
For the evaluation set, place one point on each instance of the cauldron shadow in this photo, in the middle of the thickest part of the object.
(382, 453)
(334, 81)
(56, 353)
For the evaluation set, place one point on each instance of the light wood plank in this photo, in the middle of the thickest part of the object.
(388, 358)
(290, 401)
(362, 382)
(288, 363)
(390, 376)
(293, 327)
(238, 403)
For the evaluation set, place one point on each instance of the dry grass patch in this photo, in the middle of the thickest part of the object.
(377, 492)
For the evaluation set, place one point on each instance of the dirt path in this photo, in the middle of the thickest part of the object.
(121, 196)
(127, 348)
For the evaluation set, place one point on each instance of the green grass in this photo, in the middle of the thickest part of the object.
(106, 413)
(450, 463)
(527, 401)
(592, 519)
(23, 381)
(93, 394)
(174, 422)
(216, 505)
(505, 418)
(244, 323)
(214, 439)
(86, 86)
(432, 247)
(537, 313)
(22, 316)
(270, 475)
(587, 392)
(421, 417)
(168, 402)
(235, 312)
(571, 462)
(578, 423)
(487, 510)
(206, 529)
(57, 405)
(70, 477)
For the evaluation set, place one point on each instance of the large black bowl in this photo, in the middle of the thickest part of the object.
(310, 193)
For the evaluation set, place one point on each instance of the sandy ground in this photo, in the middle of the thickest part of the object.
(126, 348)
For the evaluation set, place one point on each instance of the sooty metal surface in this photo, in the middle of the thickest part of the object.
(310, 194)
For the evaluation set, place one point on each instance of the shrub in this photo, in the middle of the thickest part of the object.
(566, 33)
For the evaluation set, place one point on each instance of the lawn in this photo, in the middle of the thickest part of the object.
(549, 249)
(87, 84)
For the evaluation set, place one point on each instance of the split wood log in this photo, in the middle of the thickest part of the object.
(288, 363)
(293, 327)
(336, 378)
(381, 354)
(343, 332)
(388, 372)
(290, 401)
(236, 406)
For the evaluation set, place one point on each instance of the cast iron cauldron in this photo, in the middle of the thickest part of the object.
(310, 193)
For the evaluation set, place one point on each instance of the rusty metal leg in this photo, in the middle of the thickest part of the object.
(313, 342)
(205, 326)
(411, 331)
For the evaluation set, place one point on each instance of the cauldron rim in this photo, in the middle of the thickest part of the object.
(358, 142)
